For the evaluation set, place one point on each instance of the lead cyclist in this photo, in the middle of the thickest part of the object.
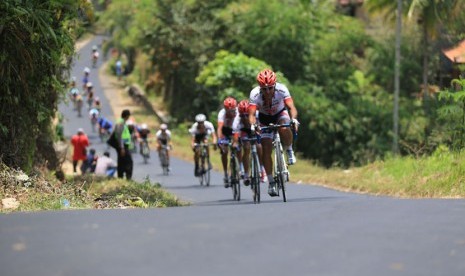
(273, 100)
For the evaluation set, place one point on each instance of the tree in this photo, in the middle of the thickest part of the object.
(35, 41)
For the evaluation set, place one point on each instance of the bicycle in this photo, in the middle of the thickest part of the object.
(204, 164)
(280, 171)
(254, 167)
(145, 150)
(234, 173)
(164, 161)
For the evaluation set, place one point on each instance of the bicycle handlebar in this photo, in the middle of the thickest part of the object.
(273, 127)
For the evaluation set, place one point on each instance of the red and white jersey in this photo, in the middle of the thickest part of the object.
(277, 104)
(230, 120)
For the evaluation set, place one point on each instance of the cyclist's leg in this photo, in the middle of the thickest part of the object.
(287, 138)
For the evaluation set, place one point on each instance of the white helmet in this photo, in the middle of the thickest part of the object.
(163, 127)
(94, 47)
(86, 70)
(143, 126)
(200, 118)
(89, 84)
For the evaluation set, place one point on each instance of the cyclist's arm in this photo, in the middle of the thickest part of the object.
(252, 118)
(292, 110)
(220, 129)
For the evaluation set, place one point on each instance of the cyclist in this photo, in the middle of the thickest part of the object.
(95, 55)
(143, 135)
(164, 139)
(228, 119)
(201, 131)
(272, 99)
(89, 94)
(97, 104)
(73, 94)
(85, 79)
(93, 116)
(105, 126)
(244, 132)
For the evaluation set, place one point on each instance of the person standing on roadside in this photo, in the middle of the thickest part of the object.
(80, 143)
(125, 145)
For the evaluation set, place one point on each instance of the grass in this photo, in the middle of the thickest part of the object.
(44, 192)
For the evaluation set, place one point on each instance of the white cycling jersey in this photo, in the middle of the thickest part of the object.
(163, 136)
(281, 95)
(93, 112)
(230, 120)
(209, 128)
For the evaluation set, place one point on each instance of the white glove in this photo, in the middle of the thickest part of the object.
(295, 122)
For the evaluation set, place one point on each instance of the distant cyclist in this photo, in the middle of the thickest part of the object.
(105, 126)
(272, 99)
(201, 131)
(228, 119)
(95, 55)
(144, 132)
(85, 79)
(93, 116)
(164, 139)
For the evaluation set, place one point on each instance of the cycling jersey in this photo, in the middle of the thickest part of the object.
(199, 134)
(143, 133)
(164, 138)
(228, 121)
(281, 96)
(274, 111)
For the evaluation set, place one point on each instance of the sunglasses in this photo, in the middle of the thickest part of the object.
(266, 88)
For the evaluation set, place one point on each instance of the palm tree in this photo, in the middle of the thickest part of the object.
(430, 14)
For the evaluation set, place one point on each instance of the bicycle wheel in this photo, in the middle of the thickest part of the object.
(201, 168)
(234, 176)
(145, 152)
(206, 172)
(280, 170)
(255, 179)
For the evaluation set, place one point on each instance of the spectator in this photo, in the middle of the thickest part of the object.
(119, 68)
(88, 166)
(80, 143)
(105, 165)
(125, 146)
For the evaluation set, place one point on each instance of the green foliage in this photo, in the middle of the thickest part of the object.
(35, 37)
(452, 114)
(278, 32)
(229, 75)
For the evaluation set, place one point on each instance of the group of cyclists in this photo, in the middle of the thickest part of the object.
(85, 95)
(269, 103)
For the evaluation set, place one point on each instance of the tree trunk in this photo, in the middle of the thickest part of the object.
(395, 144)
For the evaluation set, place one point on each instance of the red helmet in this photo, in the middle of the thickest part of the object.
(266, 78)
(230, 103)
(244, 106)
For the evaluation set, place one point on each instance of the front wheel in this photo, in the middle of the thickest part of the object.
(235, 179)
(255, 179)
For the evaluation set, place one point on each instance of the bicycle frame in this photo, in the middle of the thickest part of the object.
(280, 172)
(254, 168)
(234, 175)
(164, 161)
(204, 161)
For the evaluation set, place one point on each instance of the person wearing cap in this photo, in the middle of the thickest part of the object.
(144, 132)
(201, 131)
(125, 146)
(80, 143)
(164, 139)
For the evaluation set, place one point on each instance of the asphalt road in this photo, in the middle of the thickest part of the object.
(317, 232)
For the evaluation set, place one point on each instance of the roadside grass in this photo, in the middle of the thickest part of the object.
(438, 176)
(44, 192)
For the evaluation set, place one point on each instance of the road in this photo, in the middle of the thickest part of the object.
(317, 232)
